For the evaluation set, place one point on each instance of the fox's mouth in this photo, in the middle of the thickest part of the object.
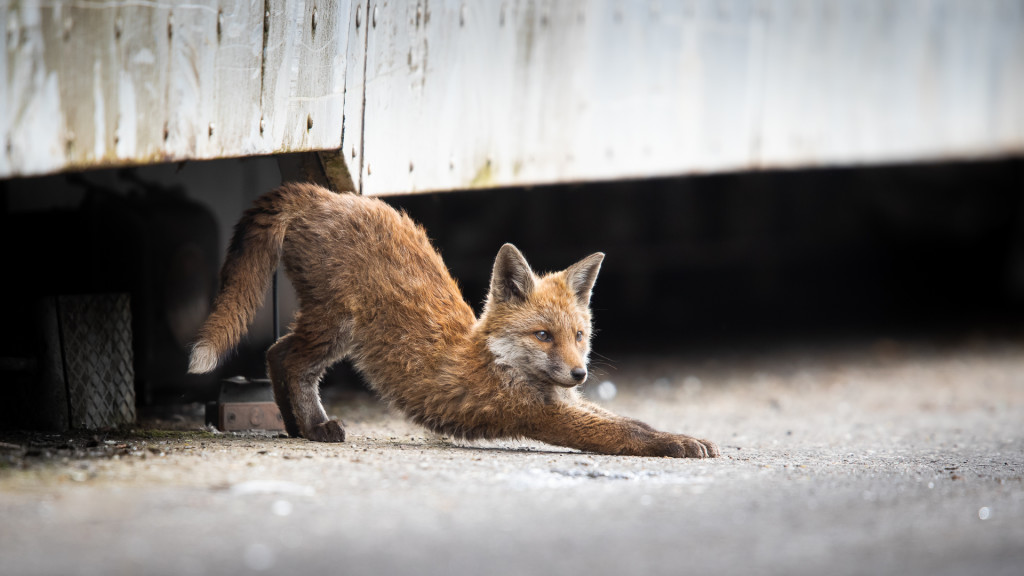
(551, 377)
(556, 381)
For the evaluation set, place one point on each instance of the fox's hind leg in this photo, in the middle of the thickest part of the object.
(296, 363)
(275, 369)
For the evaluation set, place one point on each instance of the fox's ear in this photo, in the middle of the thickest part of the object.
(582, 275)
(512, 278)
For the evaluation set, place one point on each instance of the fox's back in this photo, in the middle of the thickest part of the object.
(356, 259)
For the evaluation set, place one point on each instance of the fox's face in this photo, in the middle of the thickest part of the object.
(541, 326)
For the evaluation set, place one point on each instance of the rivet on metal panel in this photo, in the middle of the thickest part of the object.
(263, 125)
(375, 16)
(309, 122)
(117, 135)
(410, 166)
(314, 19)
(353, 151)
(266, 21)
(167, 131)
(69, 141)
(220, 23)
(368, 171)
(170, 25)
(212, 126)
(232, 417)
(359, 17)
(118, 27)
(68, 25)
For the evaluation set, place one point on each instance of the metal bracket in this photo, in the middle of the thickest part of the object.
(326, 168)
(244, 404)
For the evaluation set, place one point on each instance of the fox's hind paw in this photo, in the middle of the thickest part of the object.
(330, 431)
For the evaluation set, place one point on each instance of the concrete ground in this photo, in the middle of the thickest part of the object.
(877, 457)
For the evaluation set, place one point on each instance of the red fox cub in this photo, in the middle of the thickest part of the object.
(372, 289)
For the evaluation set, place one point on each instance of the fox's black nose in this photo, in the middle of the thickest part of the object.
(578, 374)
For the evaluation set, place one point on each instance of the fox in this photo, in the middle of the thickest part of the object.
(372, 289)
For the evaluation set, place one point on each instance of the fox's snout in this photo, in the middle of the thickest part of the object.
(576, 376)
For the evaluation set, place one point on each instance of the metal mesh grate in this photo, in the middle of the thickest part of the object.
(97, 343)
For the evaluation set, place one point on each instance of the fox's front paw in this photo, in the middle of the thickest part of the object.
(687, 447)
(330, 431)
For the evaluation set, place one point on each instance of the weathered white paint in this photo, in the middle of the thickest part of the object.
(127, 126)
(32, 119)
(90, 83)
(461, 94)
(517, 92)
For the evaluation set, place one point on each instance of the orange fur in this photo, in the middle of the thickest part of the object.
(372, 289)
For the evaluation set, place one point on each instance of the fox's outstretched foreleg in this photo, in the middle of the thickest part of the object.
(593, 429)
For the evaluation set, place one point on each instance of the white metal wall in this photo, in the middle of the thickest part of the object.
(489, 93)
(93, 83)
(462, 94)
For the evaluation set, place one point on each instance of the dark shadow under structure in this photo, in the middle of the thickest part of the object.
(701, 262)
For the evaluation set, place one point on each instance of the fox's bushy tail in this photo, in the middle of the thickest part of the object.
(252, 257)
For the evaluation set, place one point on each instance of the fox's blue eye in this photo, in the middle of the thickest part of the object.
(579, 335)
(543, 335)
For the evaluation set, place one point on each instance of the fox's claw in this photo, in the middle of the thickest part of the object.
(713, 451)
(687, 447)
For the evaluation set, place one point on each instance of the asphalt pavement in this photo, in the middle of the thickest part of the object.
(874, 457)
